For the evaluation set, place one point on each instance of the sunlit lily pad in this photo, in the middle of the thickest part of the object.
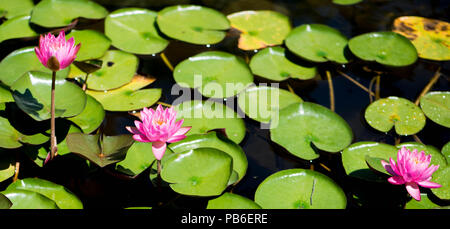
(59, 13)
(14, 8)
(91, 117)
(216, 74)
(354, 158)
(5, 95)
(93, 44)
(5, 203)
(260, 29)
(128, 97)
(299, 189)
(139, 157)
(436, 157)
(302, 124)
(318, 43)
(11, 138)
(209, 115)
(386, 113)
(436, 106)
(32, 94)
(442, 177)
(430, 37)
(21, 61)
(387, 48)
(193, 24)
(216, 141)
(198, 172)
(346, 2)
(139, 25)
(24, 199)
(16, 27)
(7, 166)
(263, 103)
(272, 64)
(446, 152)
(424, 203)
(231, 201)
(64, 198)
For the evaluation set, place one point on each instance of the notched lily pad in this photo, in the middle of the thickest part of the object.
(436, 106)
(16, 27)
(231, 201)
(386, 113)
(93, 44)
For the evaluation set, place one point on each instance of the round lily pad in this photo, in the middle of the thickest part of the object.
(58, 193)
(10, 138)
(128, 97)
(204, 116)
(442, 177)
(91, 117)
(21, 61)
(260, 29)
(346, 2)
(93, 44)
(446, 152)
(216, 141)
(436, 157)
(231, 201)
(299, 189)
(15, 8)
(59, 13)
(387, 48)
(263, 103)
(303, 124)
(139, 25)
(424, 203)
(429, 36)
(354, 158)
(318, 43)
(24, 199)
(436, 106)
(32, 94)
(385, 113)
(198, 172)
(193, 24)
(272, 64)
(16, 27)
(216, 74)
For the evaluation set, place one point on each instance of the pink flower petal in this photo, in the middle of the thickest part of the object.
(176, 138)
(397, 180)
(429, 184)
(140, 138)
(413, 190)
(388, 168)
(133, 130)
(159, 148)
(183, 130)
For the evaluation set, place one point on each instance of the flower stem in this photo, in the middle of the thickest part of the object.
(85, 82)
(370, 88)
(429, 85)
(377, 87)
(16, 169)
(356, 83)
(330, 84)
(52, 120)
(166, 61)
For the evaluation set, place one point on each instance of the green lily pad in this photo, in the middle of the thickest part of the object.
(442, 177)
(354, 158)
(346, 2)
(22, 61)
(5, 203)
(216, 74)
(193, 24)
(209, 115)
(272, 64)
(38, 155)
(386, 113)
(24, 199)
(16, 7)
(198, 172)
(299, 189)
(231, 201)
(139, 157)
(446, 152)
(263, 103)
(32, 94)
(216, 141)
(436, 157)
(375, 164)
(301, 124)
(91, 117)
(64, 198)
(63, 149)
(424, 203)
(387, 48)
(139, 25)
(260, 29)
(5, 95)
(59, 13)
(16, 27)
(318, 43)
(105, 151)
(7, 166)
(436, 106)
(10, 138)
(128, 97)
(93, 44)
(429, 36)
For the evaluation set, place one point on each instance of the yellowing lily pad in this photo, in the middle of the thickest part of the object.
(128, 97)
(436, 106)
(93, 44)
(231, 201)
(16, 27)
(260, 29)
(431, 37)
(386, 113)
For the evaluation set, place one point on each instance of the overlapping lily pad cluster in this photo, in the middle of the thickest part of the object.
(207, 163)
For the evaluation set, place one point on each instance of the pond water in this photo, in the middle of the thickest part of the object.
(105, 188)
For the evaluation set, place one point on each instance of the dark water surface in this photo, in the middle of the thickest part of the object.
(104, 188)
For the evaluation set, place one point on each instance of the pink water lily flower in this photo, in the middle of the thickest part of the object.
(412, 169)
(159, 127)
(64, 51)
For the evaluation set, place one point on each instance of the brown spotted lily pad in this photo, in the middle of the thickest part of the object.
(430, 37)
